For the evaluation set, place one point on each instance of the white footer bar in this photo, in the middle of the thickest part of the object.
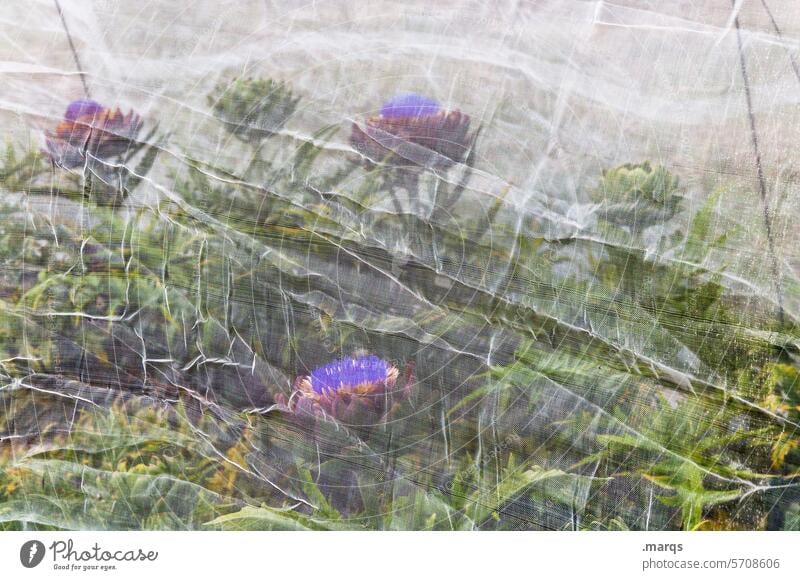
(386, 555)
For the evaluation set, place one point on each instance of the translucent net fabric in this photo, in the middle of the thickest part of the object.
(578, 265)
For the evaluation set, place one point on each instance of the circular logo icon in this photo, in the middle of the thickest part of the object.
(31, 553)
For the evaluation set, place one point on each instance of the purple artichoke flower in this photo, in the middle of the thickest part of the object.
(414, 130)
(90, 131)
(357, 391)
(81, 108)
(407, 105)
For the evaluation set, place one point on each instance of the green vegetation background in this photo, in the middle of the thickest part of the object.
(567, 378)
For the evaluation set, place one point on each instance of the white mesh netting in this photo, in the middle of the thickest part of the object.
(545, 249)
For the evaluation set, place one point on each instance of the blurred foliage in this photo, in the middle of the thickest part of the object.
(638, 194)
(141, 350)
(253, 109)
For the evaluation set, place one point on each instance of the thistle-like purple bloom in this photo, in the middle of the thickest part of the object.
(91, 131)
(358, 390)
(413, 130)
(350, 374)
(407, 105)
(82, 107)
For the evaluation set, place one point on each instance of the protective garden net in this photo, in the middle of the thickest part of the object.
(377, 265)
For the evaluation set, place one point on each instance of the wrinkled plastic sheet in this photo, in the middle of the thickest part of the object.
(583, 357)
